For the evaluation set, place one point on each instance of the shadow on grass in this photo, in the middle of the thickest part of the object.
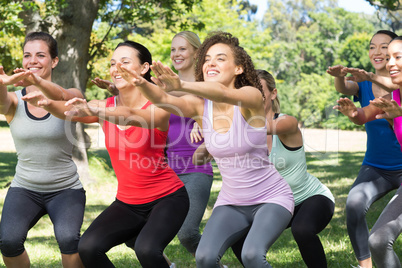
(8, 161)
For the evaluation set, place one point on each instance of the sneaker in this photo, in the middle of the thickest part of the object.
(358, 266)
(173, 265)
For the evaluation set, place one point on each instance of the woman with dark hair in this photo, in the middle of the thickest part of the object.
(314, 202)
(389, 225)
(183, 140)
(46, 179)
(151, 202)
(254, 198)
(381, 170)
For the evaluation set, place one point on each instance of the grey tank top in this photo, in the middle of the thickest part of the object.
(44, 150)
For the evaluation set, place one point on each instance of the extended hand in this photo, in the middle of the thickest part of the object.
(390, 107)
(29, 79)
(337, 71)
(346, 107)
(80, 108)
(165, 78)
(358, 75)
(12, 79)
(106, 84)
(36, 98)
(130, 76)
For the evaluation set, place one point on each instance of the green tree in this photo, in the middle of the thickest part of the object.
(71, 23)
(354, 52)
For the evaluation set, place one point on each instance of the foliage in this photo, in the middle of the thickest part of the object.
(296, 41)
(354, 52)
(388, 4)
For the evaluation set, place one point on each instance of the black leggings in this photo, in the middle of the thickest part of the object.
(309, 219)
(153, 224)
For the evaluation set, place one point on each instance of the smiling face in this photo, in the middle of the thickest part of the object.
(37, 59)
(394, 65)
(378, 50)
(219, 65)
(182, 54)
(129, 58)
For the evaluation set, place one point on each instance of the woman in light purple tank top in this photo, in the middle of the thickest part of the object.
(182, 143)
(254, 198)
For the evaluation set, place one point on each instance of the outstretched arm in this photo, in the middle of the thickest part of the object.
(358, 116)
(56, 108)
(342, 85)
(50, 89)
(149, 118)
(246, 97)
(187, 105)
(359, 75)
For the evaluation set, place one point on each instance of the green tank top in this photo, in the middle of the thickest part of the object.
(293, 168)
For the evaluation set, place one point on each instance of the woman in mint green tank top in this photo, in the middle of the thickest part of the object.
(314, 202)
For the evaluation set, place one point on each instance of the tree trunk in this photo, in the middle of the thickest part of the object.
(72, 29)
(73, 34)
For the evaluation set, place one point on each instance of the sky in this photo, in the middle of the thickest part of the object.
(349, 5)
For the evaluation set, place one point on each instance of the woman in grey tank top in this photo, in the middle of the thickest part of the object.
(46, 179)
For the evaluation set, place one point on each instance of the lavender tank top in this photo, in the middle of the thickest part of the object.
(248, 177)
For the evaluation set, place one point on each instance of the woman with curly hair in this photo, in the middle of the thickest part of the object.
(254, 199)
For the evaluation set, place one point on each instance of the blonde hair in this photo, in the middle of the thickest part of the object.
(270, 82)
(190, 37)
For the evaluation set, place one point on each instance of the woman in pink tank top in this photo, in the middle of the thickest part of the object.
(389, 225)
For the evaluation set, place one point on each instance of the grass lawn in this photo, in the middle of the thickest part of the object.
(336, 170)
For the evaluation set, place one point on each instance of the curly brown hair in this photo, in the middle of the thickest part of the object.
(247, 78)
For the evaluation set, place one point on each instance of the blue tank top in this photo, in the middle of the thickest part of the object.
(383, 150)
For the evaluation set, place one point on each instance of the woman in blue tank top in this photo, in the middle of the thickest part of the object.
(381, 170)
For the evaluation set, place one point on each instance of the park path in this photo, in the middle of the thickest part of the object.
(315, 140)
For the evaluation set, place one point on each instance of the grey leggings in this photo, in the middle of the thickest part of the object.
(198, 186)
(384, 233)
(227, 224)
(371, 184)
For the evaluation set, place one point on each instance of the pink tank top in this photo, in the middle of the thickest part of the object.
(396, 95)
(248, 177)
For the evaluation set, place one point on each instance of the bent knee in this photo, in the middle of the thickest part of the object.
(252, 257)
(204, 258)
(378, 241)
(189, 241)
(11, 248)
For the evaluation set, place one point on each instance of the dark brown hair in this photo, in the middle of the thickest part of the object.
(247, 78)
(47, 38)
